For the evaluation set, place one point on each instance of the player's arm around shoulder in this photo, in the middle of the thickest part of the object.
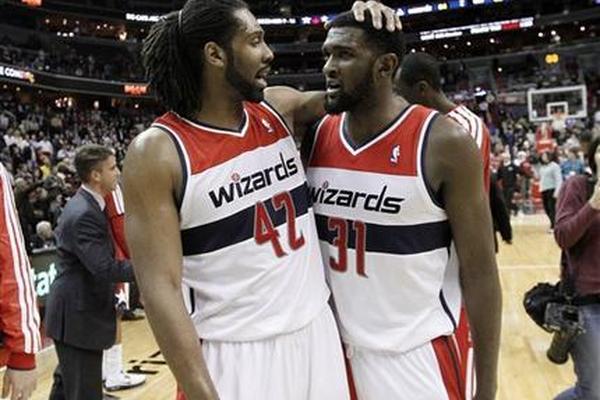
(151, 179)
(299, 109)
(454, 166)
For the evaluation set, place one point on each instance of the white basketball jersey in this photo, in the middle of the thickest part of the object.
(251, 266)
(386, 239)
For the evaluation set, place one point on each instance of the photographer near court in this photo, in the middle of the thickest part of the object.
(577, 232)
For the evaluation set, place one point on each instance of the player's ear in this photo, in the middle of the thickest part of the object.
(387, 64)
(422, 87)
(215, 55)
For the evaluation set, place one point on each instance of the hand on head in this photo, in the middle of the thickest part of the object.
(380, 13)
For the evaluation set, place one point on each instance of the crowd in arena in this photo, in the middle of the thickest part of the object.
(37, 146)
(37, 142)
(60, 58)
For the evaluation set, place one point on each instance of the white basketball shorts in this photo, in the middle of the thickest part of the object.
(429, 372)
(307, 364)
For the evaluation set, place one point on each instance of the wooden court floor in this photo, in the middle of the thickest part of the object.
(524, 372)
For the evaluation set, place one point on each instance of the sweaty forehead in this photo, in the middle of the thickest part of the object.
(247, 23)
(346, 37)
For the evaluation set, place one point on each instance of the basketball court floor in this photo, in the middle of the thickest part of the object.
(524, 372)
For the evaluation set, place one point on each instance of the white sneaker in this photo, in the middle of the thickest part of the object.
(123, 381)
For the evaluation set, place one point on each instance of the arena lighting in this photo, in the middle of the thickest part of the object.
(141, 17)
(277, 21)
(425, 8)
(552, 58)
(14, 73)
(32, 3)
(475, 29)
(135, 89)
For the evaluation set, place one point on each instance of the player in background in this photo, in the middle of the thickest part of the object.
(19, 320)
(419, 81)
(114, 376)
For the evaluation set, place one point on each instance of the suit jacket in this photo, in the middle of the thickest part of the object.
(500, 215)
(80, 308)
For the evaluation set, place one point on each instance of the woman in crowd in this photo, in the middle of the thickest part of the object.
(577, 232)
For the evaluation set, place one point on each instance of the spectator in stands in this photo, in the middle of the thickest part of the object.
(578, 234)
(550, 182)
(526, 174)
(45, 166)
(572, 142)
(572, 165)
(44, 237)
(23, 193)
(596, 127)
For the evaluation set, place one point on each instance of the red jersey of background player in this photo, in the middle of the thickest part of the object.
(479, 132)
(115, 211)
(19, 319)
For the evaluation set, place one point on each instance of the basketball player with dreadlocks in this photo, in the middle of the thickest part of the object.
(217, 206)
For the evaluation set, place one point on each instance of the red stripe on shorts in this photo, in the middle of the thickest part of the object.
(447, 358)
(351, 387)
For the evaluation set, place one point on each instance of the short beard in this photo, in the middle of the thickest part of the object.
(349, 101)
(247, 90)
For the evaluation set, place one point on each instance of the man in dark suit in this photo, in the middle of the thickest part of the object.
(80, 311)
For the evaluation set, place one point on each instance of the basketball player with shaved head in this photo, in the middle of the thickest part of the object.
(404, 225)
(217, 208)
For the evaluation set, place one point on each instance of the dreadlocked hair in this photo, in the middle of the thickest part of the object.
(173, 51)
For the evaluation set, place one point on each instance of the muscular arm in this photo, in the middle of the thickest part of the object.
(151, 175)
(454, 165)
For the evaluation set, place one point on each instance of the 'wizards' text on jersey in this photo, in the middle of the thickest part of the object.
(385, 238)
(251, 262)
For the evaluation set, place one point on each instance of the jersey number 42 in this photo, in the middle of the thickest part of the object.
(264, 229)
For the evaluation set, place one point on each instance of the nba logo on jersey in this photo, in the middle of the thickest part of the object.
(395, 154)
(267, 125)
